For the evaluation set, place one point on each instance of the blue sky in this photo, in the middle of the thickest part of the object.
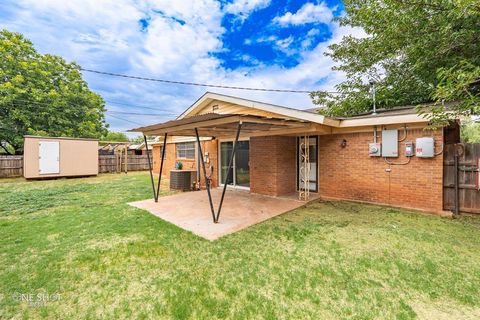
(259, 43)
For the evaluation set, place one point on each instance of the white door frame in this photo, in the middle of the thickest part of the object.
(234, 185)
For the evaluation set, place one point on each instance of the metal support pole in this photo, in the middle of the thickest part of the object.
(161, 166)
(150, 168)
(234, 150)
(207, 181)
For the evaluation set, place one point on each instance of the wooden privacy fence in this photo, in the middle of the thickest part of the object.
(461, 177)
(112, 163)
(11, 166)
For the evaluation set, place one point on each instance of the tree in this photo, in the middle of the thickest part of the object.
(115, 137)
(470, 132)
(138, 139)
(416, 51)
(44, 95)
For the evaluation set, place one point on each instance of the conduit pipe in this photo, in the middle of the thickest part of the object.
(404, 133)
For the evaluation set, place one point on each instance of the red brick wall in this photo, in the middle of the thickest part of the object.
(344, 173)
(349, 173)
(272, 165)
(188, 164)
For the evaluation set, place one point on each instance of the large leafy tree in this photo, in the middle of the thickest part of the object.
(43, 95)
(416, 51)
(115, 136)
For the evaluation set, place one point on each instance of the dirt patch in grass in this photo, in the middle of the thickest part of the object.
(444, 310)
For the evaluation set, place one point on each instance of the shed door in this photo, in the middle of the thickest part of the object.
(48, 157)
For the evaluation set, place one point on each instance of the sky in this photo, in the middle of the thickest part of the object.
(254, 43)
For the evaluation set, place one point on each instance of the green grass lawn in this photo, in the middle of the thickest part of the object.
(77, 244)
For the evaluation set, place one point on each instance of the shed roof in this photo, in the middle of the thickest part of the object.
(59, 138)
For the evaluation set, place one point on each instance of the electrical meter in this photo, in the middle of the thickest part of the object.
(409, 149)
(374, 149)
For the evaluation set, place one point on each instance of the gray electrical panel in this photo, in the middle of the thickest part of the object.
(390, 143)
(425, 147)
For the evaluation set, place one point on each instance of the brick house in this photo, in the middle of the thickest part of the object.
(373, 158)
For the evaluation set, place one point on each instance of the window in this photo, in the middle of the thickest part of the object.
(186, 150)
(161, 152)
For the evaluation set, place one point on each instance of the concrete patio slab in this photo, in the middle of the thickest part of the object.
(241, 209)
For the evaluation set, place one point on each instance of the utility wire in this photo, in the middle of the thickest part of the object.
(13, 104)
(193, 83)
(39, 103)
(137, 106)
(140, 124)
(136, 114)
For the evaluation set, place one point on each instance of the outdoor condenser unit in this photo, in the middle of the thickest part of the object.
(425, 147)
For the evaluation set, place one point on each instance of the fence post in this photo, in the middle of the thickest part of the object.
(455, 181)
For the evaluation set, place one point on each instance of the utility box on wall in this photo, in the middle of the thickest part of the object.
(390, 143)
(425, 147)
(409, 149)
(48, 157)
(374, 149)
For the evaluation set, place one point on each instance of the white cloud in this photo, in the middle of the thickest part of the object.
(106, 35)
(314, 66)
(284, 43)
(309, 38)
(308, 13)
(244, 7)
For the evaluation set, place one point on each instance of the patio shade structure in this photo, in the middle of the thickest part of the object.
(221, 126)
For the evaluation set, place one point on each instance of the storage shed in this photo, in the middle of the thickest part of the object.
(47, 157)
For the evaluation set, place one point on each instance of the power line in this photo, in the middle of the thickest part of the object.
(39, 103)
(109, 113)
(192, 83)
(136, 114)
(140, 124)
(15, 104)
(137, 106)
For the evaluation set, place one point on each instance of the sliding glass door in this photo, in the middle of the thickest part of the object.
(225, 156)
(240, 173)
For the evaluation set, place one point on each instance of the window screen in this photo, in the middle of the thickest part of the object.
(186, 150)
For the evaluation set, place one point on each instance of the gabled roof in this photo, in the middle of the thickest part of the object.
(208, 97)
(259, 115)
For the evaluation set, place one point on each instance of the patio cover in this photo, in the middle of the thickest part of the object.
(221, 125)
(225, 125)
